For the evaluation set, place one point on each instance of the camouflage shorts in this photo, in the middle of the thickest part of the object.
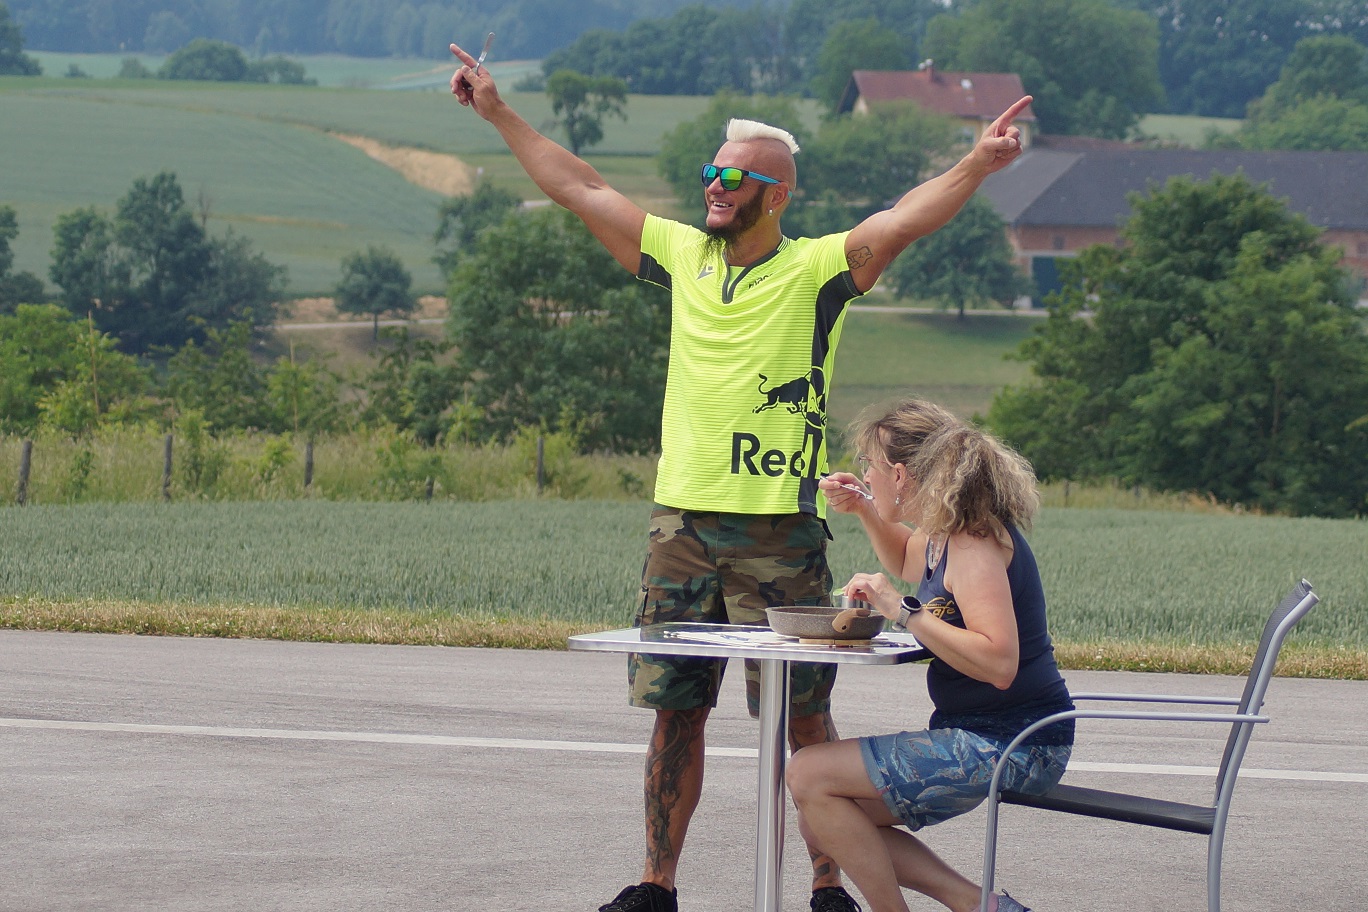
(727, 568)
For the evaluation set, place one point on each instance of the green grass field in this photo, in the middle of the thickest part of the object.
(1142, 577)
(263, 157)
(960, 364)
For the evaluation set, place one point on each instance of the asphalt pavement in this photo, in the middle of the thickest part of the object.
(142, 773)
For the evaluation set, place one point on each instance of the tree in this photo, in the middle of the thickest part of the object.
(206, 60)
(810, 24)
(133, 68)
(13, 60)
(152, 277)
(1320, 102)
(1092, 68)
(415, 387)
(57, 370)
(581, 102)
(1218, 352)
(697, 51)
(553, 334)
(305, 396)
(1333, 66)
(221, 381)
(862, 44)
(375, 282)
(461, 219)
(15, 287)
(1323, 123)
(278, 69)
(1215, 56)
(967, 262)
(239, 286)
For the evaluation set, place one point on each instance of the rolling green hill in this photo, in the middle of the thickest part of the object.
(262, 156)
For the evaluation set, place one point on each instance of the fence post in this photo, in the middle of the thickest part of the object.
(1066, 492)
(25, 464)
(308, 465)
(541, 463)
(166, 468)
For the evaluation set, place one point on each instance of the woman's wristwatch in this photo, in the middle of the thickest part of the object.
(910, 606)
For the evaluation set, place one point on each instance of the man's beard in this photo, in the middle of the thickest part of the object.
(744, 218)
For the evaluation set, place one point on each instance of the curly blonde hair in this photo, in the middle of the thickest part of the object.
(964, 479)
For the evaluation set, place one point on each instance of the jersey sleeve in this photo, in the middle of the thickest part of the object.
(661, 240)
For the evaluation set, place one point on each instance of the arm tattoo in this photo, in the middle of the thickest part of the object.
(857, 258)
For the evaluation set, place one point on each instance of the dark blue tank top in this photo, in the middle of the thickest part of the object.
(1037, 690)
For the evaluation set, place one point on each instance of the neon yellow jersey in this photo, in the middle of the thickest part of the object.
(751, 357)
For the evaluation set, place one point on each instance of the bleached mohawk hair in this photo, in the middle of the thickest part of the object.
(739, 130)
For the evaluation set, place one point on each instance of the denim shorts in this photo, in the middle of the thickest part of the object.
(926, 777)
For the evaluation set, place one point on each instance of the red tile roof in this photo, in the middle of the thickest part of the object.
(969, 95)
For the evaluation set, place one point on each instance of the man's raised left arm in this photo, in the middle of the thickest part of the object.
(878, 240)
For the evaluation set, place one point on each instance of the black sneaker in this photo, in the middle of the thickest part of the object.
(644, 897)
(833, 899)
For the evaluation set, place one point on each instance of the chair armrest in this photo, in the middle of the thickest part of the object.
(1141, 715)
(1157, 698)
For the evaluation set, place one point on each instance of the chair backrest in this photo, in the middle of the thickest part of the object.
(1285, 616)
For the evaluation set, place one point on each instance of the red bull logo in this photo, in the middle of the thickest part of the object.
(747, 454)
(793, 395)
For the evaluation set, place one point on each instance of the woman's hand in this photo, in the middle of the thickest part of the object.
(876, 589)
(844, 492)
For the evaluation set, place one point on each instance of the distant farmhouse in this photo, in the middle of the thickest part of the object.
(973, 99)
(1066, 193)
(1056, 202)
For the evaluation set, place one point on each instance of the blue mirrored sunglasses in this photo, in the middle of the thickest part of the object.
(731, 177)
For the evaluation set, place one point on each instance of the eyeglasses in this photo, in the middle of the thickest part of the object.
(731, 177)
(865, 462)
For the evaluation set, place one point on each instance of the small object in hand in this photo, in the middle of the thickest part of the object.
(484, 52)
(489, 39)
(858, 490)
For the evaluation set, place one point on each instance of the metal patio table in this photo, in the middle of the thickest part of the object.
(774, 653)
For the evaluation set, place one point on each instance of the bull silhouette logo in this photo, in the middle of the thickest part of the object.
(805, 395)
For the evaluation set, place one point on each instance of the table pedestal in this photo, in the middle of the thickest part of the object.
(769, 824)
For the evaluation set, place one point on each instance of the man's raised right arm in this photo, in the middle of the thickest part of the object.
(567, 180)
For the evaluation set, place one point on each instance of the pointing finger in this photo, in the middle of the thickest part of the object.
(462, 56)
(1010, 114)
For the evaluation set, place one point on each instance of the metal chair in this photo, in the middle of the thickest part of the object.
(1209, 820)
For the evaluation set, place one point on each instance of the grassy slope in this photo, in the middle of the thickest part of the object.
(261, 155)
(958, 363)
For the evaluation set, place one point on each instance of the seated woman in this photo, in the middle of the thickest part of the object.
(980, 611)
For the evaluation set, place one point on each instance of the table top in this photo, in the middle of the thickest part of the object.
(736, 640)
